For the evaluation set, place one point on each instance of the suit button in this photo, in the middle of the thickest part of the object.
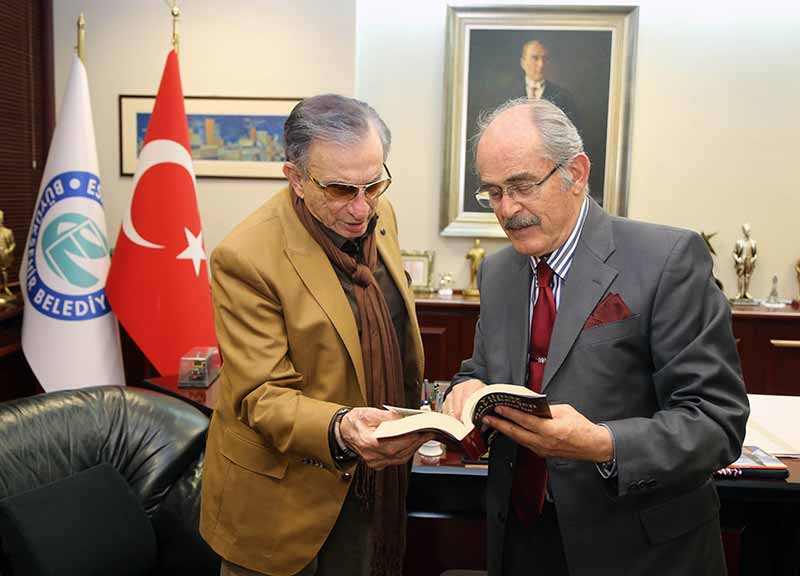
(346, 476)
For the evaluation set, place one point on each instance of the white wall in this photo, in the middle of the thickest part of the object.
(267, 48)
(715, 119)
(715, 123)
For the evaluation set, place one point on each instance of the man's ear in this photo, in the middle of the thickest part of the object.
(295, 178)
(579, 168)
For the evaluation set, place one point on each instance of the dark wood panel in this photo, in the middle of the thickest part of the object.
(448, 331)
(16, 377)
(769, 347)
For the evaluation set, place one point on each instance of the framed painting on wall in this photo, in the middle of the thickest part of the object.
(230, 137)
(581, 58)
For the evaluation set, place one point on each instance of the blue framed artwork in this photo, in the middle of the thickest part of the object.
(230, 137)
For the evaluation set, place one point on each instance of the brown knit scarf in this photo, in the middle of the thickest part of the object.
(382, 492)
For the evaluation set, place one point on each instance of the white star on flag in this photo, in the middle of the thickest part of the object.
(194, 250)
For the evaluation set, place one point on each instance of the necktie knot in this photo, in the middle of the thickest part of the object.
(544, 274)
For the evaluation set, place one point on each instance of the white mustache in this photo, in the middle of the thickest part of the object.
(519, 221)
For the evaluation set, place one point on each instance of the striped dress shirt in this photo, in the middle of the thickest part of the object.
(560, 261)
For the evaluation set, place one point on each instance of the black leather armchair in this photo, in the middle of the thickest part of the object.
(152, 441)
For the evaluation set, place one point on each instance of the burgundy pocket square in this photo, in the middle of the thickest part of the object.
(610, 309)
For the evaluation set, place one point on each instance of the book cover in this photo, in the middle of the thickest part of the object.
(755, 463)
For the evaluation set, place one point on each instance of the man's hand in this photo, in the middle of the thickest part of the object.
(454, 404)
(569, 434)
(358, 432)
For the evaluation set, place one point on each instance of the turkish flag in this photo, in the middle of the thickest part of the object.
(158, 282)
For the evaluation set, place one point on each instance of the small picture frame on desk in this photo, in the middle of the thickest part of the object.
(418, 265)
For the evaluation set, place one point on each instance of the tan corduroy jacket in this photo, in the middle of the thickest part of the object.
(271, 492)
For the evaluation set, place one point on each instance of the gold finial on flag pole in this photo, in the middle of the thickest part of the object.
(81, 37)
(176, 14)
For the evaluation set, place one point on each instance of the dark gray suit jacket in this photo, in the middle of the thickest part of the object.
(666, 381)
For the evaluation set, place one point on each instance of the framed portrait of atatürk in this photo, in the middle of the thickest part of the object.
(581, 58)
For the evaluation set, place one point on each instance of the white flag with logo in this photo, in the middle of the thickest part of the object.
(69, 334)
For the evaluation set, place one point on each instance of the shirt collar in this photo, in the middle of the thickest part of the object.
(536, 84)
(560, 259)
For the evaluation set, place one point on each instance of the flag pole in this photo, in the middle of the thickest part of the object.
(81, 37)
(176, 14)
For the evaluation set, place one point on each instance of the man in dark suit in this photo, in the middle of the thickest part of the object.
(534, 60)
(620, 323)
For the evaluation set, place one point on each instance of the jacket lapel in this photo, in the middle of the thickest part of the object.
(316, 272)
(517, 311)
(587, 280)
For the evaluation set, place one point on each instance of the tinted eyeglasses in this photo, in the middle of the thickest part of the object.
(490, 196)
(341, 192)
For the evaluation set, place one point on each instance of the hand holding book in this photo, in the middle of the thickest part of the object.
(466, 430)
(358, 429)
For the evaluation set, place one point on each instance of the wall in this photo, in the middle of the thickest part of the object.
(715, 121)
(280, 48)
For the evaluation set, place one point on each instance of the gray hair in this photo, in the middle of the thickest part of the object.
(559, 137)
(330, 118)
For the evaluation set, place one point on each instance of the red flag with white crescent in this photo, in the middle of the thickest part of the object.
(158, 282)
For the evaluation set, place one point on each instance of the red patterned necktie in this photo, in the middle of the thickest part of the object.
(530, 474)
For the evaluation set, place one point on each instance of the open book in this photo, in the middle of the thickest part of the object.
(755, 463)
(466, 430)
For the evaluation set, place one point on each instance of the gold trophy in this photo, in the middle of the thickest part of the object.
(7, 246)
(475, 256)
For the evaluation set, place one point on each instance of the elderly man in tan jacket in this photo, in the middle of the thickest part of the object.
(317, 329)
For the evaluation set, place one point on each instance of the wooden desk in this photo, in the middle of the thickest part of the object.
(204, 399)
(447, 325)
(446, 505)
(768, 341)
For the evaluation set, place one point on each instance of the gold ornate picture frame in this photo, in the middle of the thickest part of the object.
(590, 58)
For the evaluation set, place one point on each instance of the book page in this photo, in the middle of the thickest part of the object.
(423, 421)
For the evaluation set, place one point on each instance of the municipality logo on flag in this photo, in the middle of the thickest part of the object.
(68, 256)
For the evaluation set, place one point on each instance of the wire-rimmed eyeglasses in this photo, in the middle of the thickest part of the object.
(490, 195)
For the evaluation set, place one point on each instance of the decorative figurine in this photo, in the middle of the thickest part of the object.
(475, 256)
(446, 285)
(772, 300)
(744, 256)
(7, 247)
